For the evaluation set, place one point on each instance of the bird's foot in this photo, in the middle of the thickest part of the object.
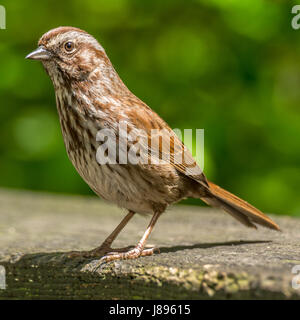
(97, 252)
(129, 254)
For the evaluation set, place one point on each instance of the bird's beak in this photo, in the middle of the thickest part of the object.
(41, 53)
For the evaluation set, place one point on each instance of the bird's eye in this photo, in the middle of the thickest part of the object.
(69, 46)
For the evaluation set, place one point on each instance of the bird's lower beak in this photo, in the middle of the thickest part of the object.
(41, 53)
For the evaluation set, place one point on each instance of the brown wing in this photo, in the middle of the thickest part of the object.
(170, 147)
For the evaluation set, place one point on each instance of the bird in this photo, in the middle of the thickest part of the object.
(92, 98)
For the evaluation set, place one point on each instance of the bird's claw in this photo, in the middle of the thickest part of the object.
(130, 254)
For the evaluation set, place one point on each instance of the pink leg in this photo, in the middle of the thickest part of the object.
(106, 245)
(109, 240)
(138, 250)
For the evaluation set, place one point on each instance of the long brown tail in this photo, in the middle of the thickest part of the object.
(238, 208)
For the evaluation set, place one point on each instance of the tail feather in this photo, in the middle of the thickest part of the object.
(238, 208)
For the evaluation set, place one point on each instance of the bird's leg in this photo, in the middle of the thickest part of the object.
(106, 244)
(105, 247)
(138, 250)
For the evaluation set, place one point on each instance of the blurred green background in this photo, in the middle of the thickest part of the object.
(231, 67)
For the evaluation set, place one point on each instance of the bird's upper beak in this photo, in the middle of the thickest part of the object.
(41, 53)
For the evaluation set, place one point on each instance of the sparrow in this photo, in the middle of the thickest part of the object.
(91, 98)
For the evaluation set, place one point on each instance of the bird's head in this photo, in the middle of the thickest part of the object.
(70, 53)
